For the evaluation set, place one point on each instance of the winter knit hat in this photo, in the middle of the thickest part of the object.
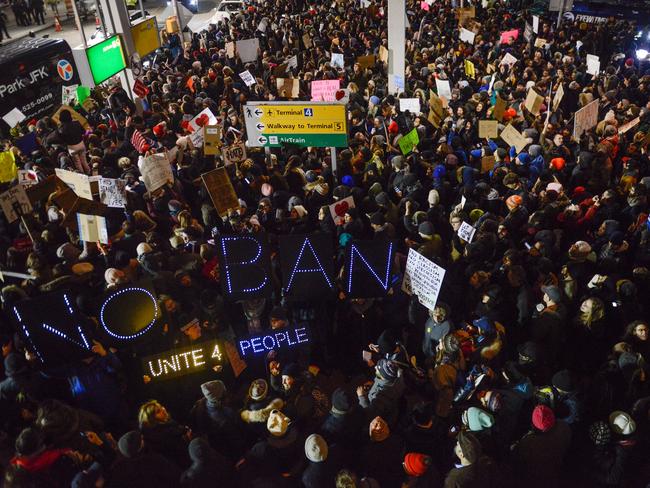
(600, 433)
(316, 448)
(492, 400)
(342, 401)
(470, 446)
(564, 380)
(388, 369)
(543, 418)
(416, 464)
(113, 275)
(477, 420)
(213, 391)
(258, 389)
(143, 248)
(379, 430)
(622, 423)
(130, 443)
(277, 423)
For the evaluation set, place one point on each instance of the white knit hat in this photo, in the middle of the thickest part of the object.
(278, 423)
(316, 448)
(622, 423)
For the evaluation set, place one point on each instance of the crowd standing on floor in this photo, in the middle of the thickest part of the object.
(531, 370)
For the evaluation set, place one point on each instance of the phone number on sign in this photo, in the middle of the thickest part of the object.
(36, 102)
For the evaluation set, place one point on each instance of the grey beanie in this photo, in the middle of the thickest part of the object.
(213, 391)
(130, 443)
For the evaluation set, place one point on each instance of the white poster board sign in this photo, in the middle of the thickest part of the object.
(337, 60)
(78, 183)
(466, 232)
(444, 89)
(112, 192)
(410, 104)
(585, 119)
(338, 209)
(156, 171)
(247, 78)
(593, 64)
(247, 49)
(235, 153)
(422, 278)
(467, 35)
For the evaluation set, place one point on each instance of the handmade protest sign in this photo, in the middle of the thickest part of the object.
(234, 153)
(337, 60)
(466, 232)
(68, 94)
(247, 49)
(533, 102)
(535, 24)
(410, 104)
(212, 140)
(408, 142)
(508, 37)
(514, 138)
(92, 228)
(14, 117)
(443, 88)
(247, 78)
(324, 90)
(366, 61)
(156, 171)
(467, 35)
(508, 60)
(288, 87)
(112, 192)
(488, 129)
(593, 64)
(499, 108)
(470, 69)
(15, 203)
(274, 340)
(557, 99)
(221, 190)
(307, 265)
(339, 208)
(422, 278)
(585, 119)
(27, 177)
(487, 163)
(183, 361)
(77, 182)
(204, 118)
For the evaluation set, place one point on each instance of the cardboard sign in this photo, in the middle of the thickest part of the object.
(324, 90)
(247, 50)
(339, 208)
(235, 153)
(533, 102)
(112, 192)
(15, 203)
(467, 35)
(629, 125)
(557, 99)
(75, 116)
(444, 89)
(508, 37)
(247, 78)
(499, 108)
(156, 171)
(465, 13)
(288, 87)
(410, 104)
(436, 110)
(212, 140)
(514, 138)
(408, 142)
(488, 129)
(306, 40)
(337, 60)
(585, 119)
(68, 94)
(366, 61)
(422, 278)
(466, 232)
(593, 64)
(43, 189)
(237, 364)
(182, 361)
(14, 117)
(383, 54)
(221, 190)
(487, 163)
(77, 182)
(92, 228)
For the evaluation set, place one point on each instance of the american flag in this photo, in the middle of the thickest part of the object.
(138, 141)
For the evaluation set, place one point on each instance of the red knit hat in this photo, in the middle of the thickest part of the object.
(416, 464)
(543, 418)
(557, 164)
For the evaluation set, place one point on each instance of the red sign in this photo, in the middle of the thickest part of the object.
(140, 89)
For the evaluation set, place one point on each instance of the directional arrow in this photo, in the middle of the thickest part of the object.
(261, 140)
(258, 112)
(260, 126)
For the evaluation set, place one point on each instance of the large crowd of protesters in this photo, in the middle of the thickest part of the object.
(531, 370)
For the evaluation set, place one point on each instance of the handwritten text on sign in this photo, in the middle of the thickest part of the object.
(272, 341)
(422, 278)
(179, 362)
